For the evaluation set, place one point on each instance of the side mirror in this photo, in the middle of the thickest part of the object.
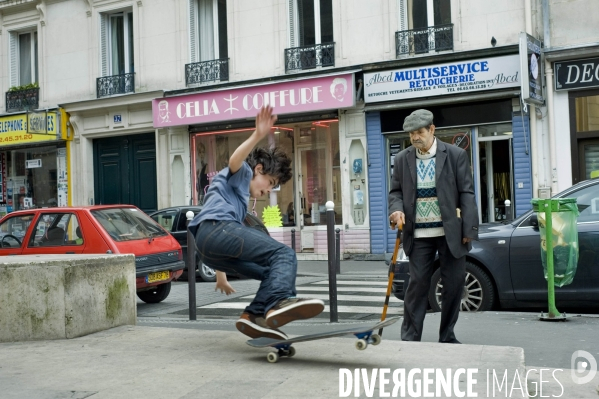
(534, 221)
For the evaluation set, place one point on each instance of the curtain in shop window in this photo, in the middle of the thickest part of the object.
(206, 28)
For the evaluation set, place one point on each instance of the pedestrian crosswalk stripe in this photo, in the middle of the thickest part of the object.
(340, 309)
(351, 289)
(356, 298)
(352, 282)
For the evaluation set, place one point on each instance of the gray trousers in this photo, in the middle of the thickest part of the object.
(453, 272)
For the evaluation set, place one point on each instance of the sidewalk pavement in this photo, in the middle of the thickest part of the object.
(206, 360)
(140, 362)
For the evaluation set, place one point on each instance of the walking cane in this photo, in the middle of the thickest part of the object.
(391, 275)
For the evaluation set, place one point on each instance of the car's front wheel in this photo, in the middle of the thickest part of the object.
(155, 294)
(478, 294)
(205, 272)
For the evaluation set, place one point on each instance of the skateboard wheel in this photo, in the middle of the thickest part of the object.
(361, 344)
(375, 339)
(272, 357)
(291, 352)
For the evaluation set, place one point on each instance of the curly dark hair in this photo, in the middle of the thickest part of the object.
(274, 161)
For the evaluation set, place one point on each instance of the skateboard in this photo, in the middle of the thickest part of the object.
(364, 334)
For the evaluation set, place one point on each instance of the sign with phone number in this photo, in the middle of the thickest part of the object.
(28, 128)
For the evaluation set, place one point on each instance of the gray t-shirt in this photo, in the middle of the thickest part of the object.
(227, 197)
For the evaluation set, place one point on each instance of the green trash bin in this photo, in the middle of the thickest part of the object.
(559, 243)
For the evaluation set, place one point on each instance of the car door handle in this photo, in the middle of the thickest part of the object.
(70, 252)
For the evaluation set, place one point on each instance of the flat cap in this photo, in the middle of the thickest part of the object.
(417, 119)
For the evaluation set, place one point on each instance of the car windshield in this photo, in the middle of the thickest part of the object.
(126, 224)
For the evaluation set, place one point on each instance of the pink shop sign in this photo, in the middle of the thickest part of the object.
(330, 92)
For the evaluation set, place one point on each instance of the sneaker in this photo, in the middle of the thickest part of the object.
(288, 310)
(255, 327)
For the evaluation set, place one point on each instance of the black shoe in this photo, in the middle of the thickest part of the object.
(255, 327)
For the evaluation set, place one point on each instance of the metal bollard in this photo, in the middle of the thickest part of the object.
(508, 209)
(293, 239)
(330, 205)
(191, 269)
(338, 250)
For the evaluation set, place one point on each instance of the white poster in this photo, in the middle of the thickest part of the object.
(439, 79)
(62, 182)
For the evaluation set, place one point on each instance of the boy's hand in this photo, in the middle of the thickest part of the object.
(224, 287)
(264, 121)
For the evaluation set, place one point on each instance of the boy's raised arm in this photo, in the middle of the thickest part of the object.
(264, 121)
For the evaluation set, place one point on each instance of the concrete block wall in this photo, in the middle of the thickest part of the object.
(65, 296)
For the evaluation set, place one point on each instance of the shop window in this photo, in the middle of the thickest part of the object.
(587, 114)
(23, 58)
(116, 37)
(55, 229)
(208, 30)
(316, 153)
(32, 178)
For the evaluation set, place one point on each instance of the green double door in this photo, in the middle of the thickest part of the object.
(125, 171)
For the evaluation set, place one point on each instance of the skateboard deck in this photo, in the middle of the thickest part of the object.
(364, 334)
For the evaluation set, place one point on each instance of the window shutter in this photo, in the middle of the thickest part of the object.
(104, 45)
(403, 15)
(292, 24)
(193, 31)
(14, 59)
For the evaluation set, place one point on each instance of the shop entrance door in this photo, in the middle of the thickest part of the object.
(125, 171)
(312, 193)
(495, 177)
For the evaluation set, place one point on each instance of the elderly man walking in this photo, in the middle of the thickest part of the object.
(432, 197)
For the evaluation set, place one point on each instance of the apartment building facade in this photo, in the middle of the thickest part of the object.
(153, 95)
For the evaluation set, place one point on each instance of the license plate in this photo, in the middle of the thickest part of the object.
(158, 276)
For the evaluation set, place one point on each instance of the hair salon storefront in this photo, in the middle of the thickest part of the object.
(476, 107)
(310, 128)
(33, 161)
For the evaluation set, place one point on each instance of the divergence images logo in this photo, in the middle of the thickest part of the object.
(583, 362)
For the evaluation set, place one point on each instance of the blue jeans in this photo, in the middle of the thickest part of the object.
(228, 246)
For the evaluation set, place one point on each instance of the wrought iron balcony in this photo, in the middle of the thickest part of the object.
(116, 84)
(419, 41)
(207, 71)
(22, 100)
(309, 57)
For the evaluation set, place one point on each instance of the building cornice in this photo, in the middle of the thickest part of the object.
(112, 102)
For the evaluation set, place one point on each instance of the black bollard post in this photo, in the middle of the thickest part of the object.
(293, 239)
(338, 250)
(191, 269)
(332, 262)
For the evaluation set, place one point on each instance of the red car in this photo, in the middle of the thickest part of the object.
(101, 229)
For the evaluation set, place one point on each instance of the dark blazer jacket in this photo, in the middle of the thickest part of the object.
(454, 186)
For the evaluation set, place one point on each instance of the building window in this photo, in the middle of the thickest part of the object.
(208, 30)
(424, 25)
(311, 22)
(425, 13)
(23, 58)
(116, 33)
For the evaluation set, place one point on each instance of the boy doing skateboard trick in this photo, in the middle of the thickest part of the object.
(228, 246)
